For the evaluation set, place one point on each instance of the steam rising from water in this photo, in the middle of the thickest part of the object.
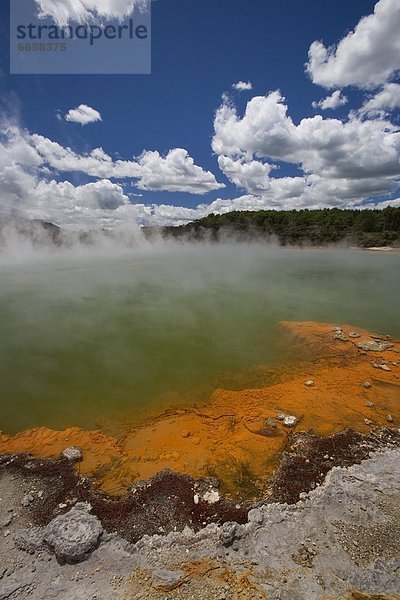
(111, 329)
(22, 241)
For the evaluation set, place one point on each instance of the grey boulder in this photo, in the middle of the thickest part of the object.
(74, 535)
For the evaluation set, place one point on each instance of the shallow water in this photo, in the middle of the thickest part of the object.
(94, 338)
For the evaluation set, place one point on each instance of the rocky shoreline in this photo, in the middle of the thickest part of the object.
(321, 533)
(290, 491)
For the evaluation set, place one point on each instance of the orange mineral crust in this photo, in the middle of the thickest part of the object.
(347, 378)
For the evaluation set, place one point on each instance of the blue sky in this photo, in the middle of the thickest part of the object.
(278, 156)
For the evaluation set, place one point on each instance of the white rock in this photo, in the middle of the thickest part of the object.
(287, 420)
(290, 421)
(73, 453)
(211, 497)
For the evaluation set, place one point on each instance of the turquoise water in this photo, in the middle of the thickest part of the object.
(88, 339)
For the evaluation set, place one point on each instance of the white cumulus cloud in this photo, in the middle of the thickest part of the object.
(63, 11)
(83, 115)
(366, 57)
(337, 161)
(174, 172)
(333, 101)
(31, 166)
(242, 86)
(387, 100)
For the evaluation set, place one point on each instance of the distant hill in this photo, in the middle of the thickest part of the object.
(364, 228)
(35, 231)
(42, 234)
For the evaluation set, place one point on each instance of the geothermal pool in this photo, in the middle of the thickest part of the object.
(102, 338)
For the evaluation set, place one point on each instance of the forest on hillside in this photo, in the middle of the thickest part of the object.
(364, 228)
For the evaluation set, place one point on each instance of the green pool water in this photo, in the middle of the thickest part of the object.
(89, 338)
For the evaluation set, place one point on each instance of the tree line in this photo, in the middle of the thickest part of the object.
(364, 228)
